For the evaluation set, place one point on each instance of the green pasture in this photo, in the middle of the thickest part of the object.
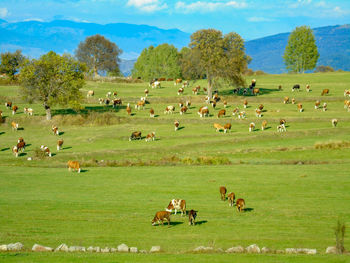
(296, 184)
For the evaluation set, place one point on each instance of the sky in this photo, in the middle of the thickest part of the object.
(250, 18)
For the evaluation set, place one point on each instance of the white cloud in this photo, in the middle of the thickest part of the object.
(33, 19)
(259, 19)
(203, 6)
(147, 5)
(3, 12)
(321, 4)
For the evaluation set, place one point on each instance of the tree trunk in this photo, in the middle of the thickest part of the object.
(210, 88)
(48, 112)
(96, 72)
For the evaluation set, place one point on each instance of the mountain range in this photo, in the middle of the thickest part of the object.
(35, 38)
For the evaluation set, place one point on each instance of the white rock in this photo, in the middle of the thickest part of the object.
(219, 250)
(62, 247)
(280, 251)
(142, 251)
(29, 158)
(113, 250)
(133, 250)
(203, 249)
(15, 247)
(266, 250)
(291, 250)
(331, 250)
(105, 250)
(97, 249)
(253, 249)
(310, 251)
(40, 248)
(155, 249)
(76, 249)
(123, 248)
(3, 247)
(238, 249)
(90, 249)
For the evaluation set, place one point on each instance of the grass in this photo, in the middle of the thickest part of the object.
(296, 183)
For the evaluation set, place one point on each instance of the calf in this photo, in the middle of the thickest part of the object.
(140, 105)
(73, 165)
(307, 88)
(55, 130)
(136, 135)
(286, 100)
(293, 101)
(192, 217)
(296, 87)
(317, 104)
(21, 146)
(28, 111)
(176, 124)
(183, 110)
(324, 107)
(223, 191)
(324, 92)
(231, 199)
(221, 113)
(203, 111)
(90, 93)
(14, 126)
(241, 115)
(146, 92)
(300, 107)
(180, 91)
(245, 104)
(235, 111)
(14, 109)
(46, 150)
(128, 109)
(151, 113)
(251, 126)
(225, 104)
(263, 125)
(160, 217)
(177, 204)
(8, 104)
(240, 204)
(150, 137)
(59, 144)
(258, 113)
(169, 109)
(15, 151)
(334, 123)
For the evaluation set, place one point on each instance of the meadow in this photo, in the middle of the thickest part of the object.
(295, 184)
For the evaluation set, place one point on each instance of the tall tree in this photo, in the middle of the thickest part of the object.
(301, 51)
(99, 54)
(221, 57)
(11, 63)
(53, 79)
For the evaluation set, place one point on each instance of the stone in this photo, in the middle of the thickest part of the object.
(62, 247)
(134, 250)
(97, 249)
(331, 250)
(105, 250)
(266, 250)
(238, 249)
(15, 247)
(291, 250)
(76, 249)
(253, 249)
(280, 251)
(311, 251)
(142, 251)
(3, 247)
(113, 250)
(123, 248)
(40, 248)
(155, 249)
(90, 249)
(203, 249)
(219, 250)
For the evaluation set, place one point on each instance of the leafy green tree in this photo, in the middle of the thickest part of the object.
(53, 79)
(99, 54)
(221, 57)
(11, 63)
(155, 62)
(301, 51)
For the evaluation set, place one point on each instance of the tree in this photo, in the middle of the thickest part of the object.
(323, 68)
(155, 62)
(99, 54)
(301, 51)
(221, 57)
(53, 79)
(11, 63)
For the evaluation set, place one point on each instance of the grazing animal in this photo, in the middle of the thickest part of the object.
(258, 113)
(334, 122)
(8, 104)
(293, 101)
(161, 79)
(196, 90)
(117, 102)
(240, 204)
(347, 92)
(283, 121)
(300, 107)
(160, 217)
(307, 88)
(136, 135)
(180, 91)
(188, 103)
(251, 126)
(280, 87)
(108, 94)
(128, 109)
(107, 101)
(156, 84)
(14, 109)
(169, 109)
(346, 104)
(227, 127)
(20, 139)
(216, 97)
(46, 150)
(28, 111)
(203, 111)
(241, 115)
(181, 104)
(205, 89)
(59, 144)
(324, 92)
(256, 91)
(207, 99)
(192, 217)
(317, 104)
(296, 87)
(176, 124)
(218, 127)
(177, 204)
(223, 192)
(286, 100)
(221, 113)
(14, 126)
(186, 84)
(263, 125)
(169, 79)
(115, 94)
(231, 199)
(213, 103)
(146, 92)
(261, 107)
(15, 151)
(73, 165)
(101, 100)
(183, 110)
(245, 104)
(151, 113)
(281, 128)
(150, 137)
(140, 104)
(225, 103)
(55, 130)
(21, 146)
(324, 107)
(177, 81)
(235, 111)
(90, 93)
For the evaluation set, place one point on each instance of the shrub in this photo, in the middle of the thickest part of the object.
(323, 69)
(332, 145)
(339, 237)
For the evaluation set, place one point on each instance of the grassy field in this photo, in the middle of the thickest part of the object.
(296, 184)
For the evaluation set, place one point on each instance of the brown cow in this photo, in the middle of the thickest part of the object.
(73, 165)
(21, 146)
(192, 217)
(160, 217)
(261, 107)
(116, 102)
(223, 191)
(263, 125)
(231, 199)
(324, 92)
(180, 91)
(14, 126)
(128, 109)
(240, 204)
(59, 144)
(258, 113)
(251, 126)
(245, 104)
(169, 109)
(227, 126)
(256, 91)
(55, 130)
(90, 93)
(150, 137)
(151, 113)
(177, 81)
(140, 104)
(46, 150)
(183, 110)
(14, 109)
(176, 124)
(177, 204)
(221, 113)
(146, 92)
(317, 104)
(203, 111)
(136, 135)
(286, 100)
(196, 90)
(300, 107)
(8, 104)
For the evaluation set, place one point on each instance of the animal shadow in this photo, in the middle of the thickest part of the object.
(20, 129)
(267, 128)
(156, 116)
(83, 170)
(132, 114)
(53, 154)
(175, 223)
(201, 222)
(29, 144)
(1, 133)
(180, 128)
(22, 154)
(60, 133)
(248, 209)
(5, 149)
(66, 148)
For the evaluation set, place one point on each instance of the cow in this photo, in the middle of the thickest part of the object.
(150, 137)
(73, 165)
(324, 92)
(347, 93)
(231, 199)
(192, 217)
(286, 100)
(245, 104)
(225, 103)
(161, 79)
(101, 100)
(317, 104)
(293, 101)
(136, 135)
(28, 111)
(169, 79)
(177, 204)
(196, 90)
(251, 126)
(20, 139)
(128, 109)
(151, 113)
(156, 84)
(334, 123)
(169, 109)
(14, 109)
(281, 128)
(296, 87)
(227, 127)
(221, 113)
(14, 126)
(241, 115)
(55, 130)
(256, 91)
(205, 89)
(213, 103)
(180, 91)
(176, 124)
(283, 122)
(203, 111)
(218, 127)
(223, 192)
(240, 204)
(207, 99)
(324, 107)
(235, 111)
(185, 84)
(252, 85)
(183, 110)
(21, 146)
(90, 93)
(59, 144)
(300, 107)
(15, 151)
(263, 125)
(280, 87)
(261, 107)
(346, 104)
(258, 113)
(46, 150)
(307, 88)
(107, 101)
(188, 103)
(117, 102)
(140, 105)
(216, 97)
(177, 81)
(160, 217)
(8, 104)
(146, 92)
(115, 94)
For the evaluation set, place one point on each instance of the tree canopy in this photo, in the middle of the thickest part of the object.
(99, 54)
(11, 63)
(156, 62)
(53, 79)
(301, 51)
